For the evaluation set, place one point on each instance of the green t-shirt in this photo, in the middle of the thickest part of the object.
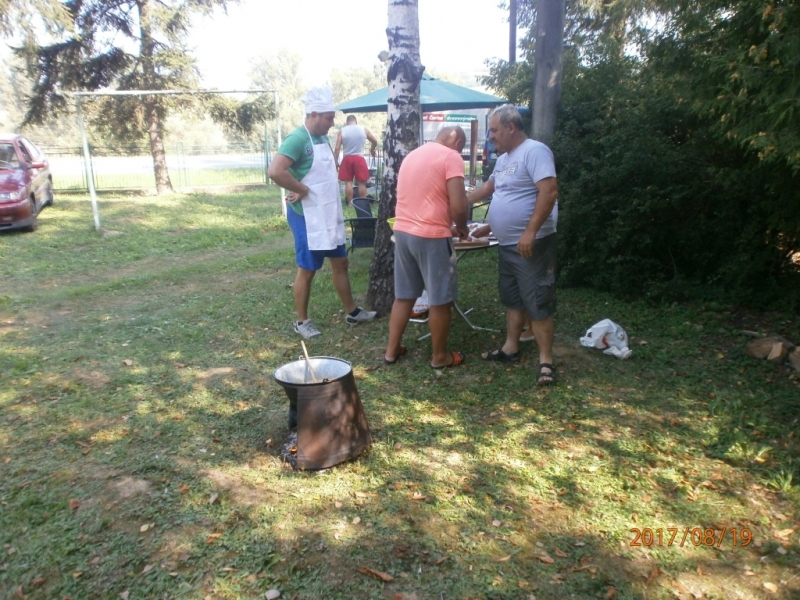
(297, 146)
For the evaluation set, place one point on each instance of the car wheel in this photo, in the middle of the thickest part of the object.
(49, 201)
(34, 225)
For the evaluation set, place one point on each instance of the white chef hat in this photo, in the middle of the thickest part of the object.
(319, 100)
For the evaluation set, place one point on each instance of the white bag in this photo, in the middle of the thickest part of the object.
(609, 337)
(421, 305)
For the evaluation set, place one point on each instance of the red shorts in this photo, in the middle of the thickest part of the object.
(353, 167)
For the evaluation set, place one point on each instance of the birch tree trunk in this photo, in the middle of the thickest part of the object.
(548, 59)
(153, 111)
(402, 136)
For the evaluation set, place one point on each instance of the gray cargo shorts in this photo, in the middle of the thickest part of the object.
(529, 284)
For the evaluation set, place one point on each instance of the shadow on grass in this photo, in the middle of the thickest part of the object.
(140, 430)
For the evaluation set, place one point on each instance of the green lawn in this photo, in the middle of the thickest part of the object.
(140, 430)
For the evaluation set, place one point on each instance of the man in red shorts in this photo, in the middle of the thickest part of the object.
(351, 139)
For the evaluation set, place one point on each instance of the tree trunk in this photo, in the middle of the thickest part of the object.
(548, 65)
(402, 136)
(153, 111)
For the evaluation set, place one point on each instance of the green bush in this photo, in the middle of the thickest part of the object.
(654, 203)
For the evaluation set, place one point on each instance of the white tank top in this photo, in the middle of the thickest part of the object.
(353, 138)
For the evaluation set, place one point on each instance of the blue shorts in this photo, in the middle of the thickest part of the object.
(310, 260)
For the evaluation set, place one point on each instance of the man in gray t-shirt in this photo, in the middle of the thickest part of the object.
(523, 215)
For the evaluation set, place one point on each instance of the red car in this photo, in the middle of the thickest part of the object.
(25, 183)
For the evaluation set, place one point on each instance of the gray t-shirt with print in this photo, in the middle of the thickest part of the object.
(515, 175)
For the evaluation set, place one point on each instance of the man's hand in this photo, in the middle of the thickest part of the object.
(525, 244)
(481, 231)
(461, 232)
(295, 197)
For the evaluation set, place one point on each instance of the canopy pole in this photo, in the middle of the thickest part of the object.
(87, 160)
(473, 151)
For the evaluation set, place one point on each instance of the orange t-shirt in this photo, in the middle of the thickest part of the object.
(423, 206)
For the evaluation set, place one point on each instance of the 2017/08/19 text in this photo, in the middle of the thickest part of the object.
(696, 536)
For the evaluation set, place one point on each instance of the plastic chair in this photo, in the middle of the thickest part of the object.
(363, 207)
(362, 228)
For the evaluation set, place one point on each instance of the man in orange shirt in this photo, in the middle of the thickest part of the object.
(430, 198)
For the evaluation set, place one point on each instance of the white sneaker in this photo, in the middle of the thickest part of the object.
(306, 329)
(361, 317)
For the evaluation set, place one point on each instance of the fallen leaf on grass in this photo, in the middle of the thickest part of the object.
(127, 362)
(74, 503)
(784, 533)
(653, 575)
(496, 523)
(376, 574)
(560, 553)
(707, 483)
(124, 595)
(611, 593)
(183, 488)
(441, 560)
(418, 496)
(210, 539)
(771, 587)
(546, 559)
(587, 567)
(504, 559)
(147, 568)
(213, 498)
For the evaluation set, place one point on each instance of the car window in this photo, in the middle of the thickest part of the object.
(8, 156)
(25, 154)
(31, 148)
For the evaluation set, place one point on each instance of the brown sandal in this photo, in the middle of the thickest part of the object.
(402, 353)
(458, 358)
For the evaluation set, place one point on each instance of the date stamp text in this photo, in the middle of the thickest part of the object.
(690, 536)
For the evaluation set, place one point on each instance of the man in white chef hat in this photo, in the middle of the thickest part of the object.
(304, 165)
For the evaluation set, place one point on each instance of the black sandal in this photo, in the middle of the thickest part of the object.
(550, 375)
(499, 356)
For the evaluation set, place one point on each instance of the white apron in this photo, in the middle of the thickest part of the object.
(322, 207)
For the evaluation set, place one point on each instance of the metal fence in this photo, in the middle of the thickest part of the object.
(131, 168)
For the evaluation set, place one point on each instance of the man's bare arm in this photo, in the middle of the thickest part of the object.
(372, 140)
(279, 173)
(481, 193)
(459, 209)
(337, 148)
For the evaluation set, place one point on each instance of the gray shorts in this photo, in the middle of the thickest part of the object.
(529, 284)
(425, 263)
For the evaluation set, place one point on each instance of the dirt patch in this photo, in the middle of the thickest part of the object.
(216, 371)
(238, 491)
(93, 379)
(128, 487)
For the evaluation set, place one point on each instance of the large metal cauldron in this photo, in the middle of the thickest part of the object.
(326, 409)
